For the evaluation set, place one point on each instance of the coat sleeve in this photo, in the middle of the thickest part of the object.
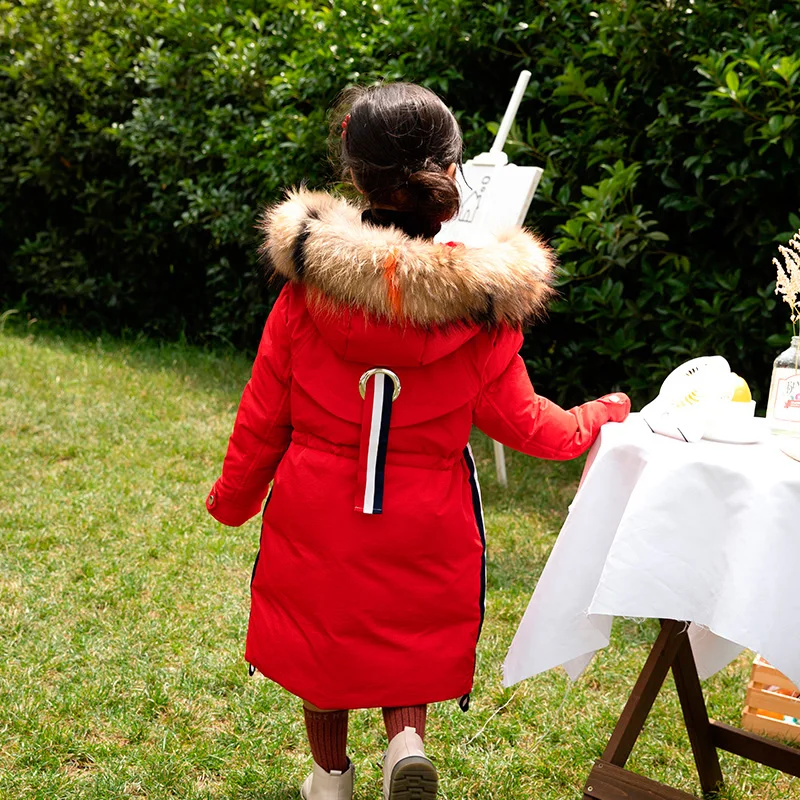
(510, 411)
(262, 430)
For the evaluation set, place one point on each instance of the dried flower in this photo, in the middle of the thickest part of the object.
(788, 281)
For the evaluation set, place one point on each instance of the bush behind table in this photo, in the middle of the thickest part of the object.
(139, 140)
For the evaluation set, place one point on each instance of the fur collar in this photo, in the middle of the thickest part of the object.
(320, 240)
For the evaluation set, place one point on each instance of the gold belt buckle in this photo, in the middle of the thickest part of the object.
(362, 384)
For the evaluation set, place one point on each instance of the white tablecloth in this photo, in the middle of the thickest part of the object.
(704, 532)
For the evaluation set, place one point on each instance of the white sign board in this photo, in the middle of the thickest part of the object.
(493, 197)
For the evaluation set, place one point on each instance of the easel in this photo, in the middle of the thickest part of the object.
(494, 195)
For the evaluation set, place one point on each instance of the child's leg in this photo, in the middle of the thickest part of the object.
(327, 735)
(407, 771)
(395, 719)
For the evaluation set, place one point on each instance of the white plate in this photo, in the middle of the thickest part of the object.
(740, 431)
(790, 446)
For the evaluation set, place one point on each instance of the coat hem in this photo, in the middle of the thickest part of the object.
(384, 701)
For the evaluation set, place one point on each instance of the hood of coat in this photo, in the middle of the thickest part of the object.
(378, 295)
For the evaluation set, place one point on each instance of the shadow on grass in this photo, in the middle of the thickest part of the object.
(219, 371)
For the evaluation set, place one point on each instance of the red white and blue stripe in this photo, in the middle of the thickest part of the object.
(375, 424)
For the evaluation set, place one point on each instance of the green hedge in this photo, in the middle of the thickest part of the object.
(139, 139)
(669, 135)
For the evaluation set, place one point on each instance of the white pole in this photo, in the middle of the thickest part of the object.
(511, 112)
(500, 462)
(497, 147)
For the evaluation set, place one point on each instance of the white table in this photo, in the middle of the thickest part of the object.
(705, 533)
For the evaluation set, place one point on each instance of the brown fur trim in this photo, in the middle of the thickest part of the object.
(319, 239)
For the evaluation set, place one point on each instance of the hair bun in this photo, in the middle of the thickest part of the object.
(433, 193)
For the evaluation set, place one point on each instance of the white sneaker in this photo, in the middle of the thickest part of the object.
(333, 785)
(407, 772)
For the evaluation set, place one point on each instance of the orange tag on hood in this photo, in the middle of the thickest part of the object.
(392, 286)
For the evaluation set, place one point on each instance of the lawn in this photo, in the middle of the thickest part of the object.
(123, 608)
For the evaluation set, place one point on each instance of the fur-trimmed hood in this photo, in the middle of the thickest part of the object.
(321, 241)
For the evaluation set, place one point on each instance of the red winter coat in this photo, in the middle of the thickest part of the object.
(369, 585)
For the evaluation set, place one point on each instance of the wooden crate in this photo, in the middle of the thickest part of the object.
(771, 697)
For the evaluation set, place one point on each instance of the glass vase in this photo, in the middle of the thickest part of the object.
(783, 407)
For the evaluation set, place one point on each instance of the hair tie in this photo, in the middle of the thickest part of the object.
(344, 124)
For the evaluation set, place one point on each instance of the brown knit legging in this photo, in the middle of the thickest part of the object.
(327, 735)
(395, 719)
(327, 731)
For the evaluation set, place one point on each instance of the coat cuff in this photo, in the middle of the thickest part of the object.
(225, 510)
(618, 406)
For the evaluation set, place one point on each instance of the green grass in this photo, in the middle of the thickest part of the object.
(123, 609)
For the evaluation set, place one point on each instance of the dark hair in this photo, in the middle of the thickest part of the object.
(399, 140)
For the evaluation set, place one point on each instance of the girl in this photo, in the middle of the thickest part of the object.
(381, 352)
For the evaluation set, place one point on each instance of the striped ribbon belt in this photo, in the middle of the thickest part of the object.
(379, 389)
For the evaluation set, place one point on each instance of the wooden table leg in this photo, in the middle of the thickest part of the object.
(695, 715)
(756, 748)
(609, 780)
(644, 693)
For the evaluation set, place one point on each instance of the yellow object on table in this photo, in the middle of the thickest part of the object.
(741, 391)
